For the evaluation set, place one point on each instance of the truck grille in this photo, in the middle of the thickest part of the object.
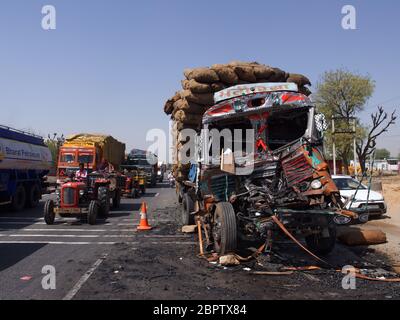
(297, 169)
(69, 196)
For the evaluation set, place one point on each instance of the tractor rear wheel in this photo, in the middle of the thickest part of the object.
(224, 229)
(19, 198)
(49, 214)
(104, 198)
(92, 212)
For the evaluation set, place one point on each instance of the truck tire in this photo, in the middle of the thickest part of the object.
(49, 214)
(224, 229)
(104, 199)
(186, 210)
(92, 212)
(19, 199)
(179, 194)
(34, 195)
(322, 246)
(116, 202)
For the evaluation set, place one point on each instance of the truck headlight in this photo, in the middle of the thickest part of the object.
(316, 184)
(81, 192)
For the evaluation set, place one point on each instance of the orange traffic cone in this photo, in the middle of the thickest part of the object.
(144, 224)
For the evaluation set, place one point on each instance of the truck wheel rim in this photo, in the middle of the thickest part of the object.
(217, 230)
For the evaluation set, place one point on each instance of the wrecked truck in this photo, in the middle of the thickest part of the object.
(236, 193)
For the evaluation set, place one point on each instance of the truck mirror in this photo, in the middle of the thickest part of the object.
(320, 122)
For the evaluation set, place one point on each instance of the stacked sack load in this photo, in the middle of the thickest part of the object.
(187, 106)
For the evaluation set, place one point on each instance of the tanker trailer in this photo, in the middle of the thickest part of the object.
(25, 161)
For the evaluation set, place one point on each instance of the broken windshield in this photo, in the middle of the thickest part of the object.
(286, 126)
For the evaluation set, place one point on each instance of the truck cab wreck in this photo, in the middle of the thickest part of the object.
(277, 170)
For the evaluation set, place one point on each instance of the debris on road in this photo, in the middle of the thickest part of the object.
(189, 229)
(358, 237)
(229, 260)
(273, 273)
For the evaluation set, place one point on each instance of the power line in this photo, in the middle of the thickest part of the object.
(369, 106)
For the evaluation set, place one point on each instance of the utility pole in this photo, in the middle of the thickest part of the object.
(349, 128)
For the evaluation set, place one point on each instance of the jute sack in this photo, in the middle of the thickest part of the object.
(358, 237)
(169, 105)
(190, 107)
(299, 79)
(206, 99)
(203, 75)
(245, 74)
(239, 63)
(279, 75)
(198, 87)
(218, 86)
(226, 74)
(188, 118)
(181, 126)
(263, 72)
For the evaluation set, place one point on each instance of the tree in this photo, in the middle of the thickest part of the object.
(382, 154)
(343, 94)
(380, 124)
(54, 143)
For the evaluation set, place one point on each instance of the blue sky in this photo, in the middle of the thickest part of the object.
(110, 65)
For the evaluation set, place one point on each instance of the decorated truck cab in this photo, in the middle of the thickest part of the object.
(260, 158)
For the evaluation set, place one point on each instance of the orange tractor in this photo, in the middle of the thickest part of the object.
(92, 196)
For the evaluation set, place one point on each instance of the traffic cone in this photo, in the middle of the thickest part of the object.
(144, 224)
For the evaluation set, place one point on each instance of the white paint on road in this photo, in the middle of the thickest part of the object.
(71, 294)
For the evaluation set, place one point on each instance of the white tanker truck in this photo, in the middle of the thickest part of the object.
(25, 160)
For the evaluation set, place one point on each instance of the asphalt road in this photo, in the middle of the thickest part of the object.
(111, 260)
(27, 244)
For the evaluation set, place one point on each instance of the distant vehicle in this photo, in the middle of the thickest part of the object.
(145, 161)
(25, 161)
(376, 202)
(393, 164)
(162, 168)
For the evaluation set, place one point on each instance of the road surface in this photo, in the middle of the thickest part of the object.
(111, 260)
